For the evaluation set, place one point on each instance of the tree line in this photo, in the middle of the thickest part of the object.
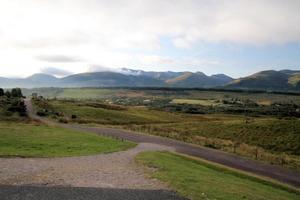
(11, 101)
(15, 92)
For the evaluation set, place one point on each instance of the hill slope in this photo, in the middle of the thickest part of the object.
(268, 80)
(198, 79)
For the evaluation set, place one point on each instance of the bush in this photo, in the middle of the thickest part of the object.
(63, 120)
(41, 113)
(74, 116)
(7, 94)
(16, 92)
(1, 92)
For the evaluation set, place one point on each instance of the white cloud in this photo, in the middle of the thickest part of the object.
(58, 58)
(55, 71)
(108, 32)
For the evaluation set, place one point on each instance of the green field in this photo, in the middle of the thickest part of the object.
(73, 93)
(197, 179)
(38, 140)
(91, 112)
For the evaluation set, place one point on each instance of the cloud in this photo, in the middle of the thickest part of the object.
(55, 71)
(58, 58)
(112, 33)
(100, 68)
(140, 23)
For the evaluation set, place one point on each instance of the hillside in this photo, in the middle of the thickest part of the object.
(198, 79)
(268, 80)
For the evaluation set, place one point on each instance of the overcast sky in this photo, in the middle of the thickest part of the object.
(236, 37)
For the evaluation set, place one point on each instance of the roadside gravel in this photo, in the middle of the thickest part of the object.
(114, 170)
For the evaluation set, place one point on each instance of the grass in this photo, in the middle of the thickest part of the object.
(72, 93)
(132, 115)
(277, 135)
(86, 93)
(38, 140)
(295, 80)
(197, 179)
(268, 139)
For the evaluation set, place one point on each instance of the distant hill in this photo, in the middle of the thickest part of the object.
(109, 79)
(283, 80)
(190, 79)
(123, 78)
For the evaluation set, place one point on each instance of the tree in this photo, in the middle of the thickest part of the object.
(1, 92)
(16, 92)
(7, 93)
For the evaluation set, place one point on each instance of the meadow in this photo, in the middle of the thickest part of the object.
(236, 124)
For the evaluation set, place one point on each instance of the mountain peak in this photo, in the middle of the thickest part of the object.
(41, 77)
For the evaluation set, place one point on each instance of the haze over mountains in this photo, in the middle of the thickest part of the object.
(284, 80)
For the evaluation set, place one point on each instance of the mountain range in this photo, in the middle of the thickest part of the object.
(284, 80)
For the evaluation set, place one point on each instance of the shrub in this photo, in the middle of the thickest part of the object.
(7, 94)
(63, 120)
(16, 92)
(41, 113)
(74, 116)
(1, 92)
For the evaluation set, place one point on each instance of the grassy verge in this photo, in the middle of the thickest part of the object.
(36, 140)
(197, 179)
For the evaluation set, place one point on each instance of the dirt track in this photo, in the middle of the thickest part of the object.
(287, 176)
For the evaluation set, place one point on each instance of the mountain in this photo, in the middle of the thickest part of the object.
(198, 79)
(108, 79)
(122, 78)
(41, 78)
(96, 79)
(283, 80)
(36, 80)
(157, 75)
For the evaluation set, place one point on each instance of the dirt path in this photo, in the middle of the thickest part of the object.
(287, 176)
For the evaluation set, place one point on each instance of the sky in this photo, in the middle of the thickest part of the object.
(61, 37)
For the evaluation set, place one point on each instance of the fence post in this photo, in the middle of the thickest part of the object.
(256, 153)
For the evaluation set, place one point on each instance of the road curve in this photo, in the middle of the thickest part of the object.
(287, 176)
